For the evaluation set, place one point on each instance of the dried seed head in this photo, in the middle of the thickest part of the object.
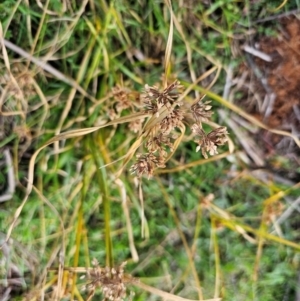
(197, 129)
(218, 136)
(151, 106)
(158, 143)
(121, 96)
(110, 280)
(146, 164)
(154, 99)
(201, 111)
(161, 129)
(209, 143)
(112, 114)
(23, 83)
(171, 121)
(136, 125)
(158, 136)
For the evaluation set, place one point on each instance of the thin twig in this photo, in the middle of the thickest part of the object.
(257, 53)
(279, 16)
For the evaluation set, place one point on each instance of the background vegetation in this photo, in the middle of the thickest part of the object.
(199, 228)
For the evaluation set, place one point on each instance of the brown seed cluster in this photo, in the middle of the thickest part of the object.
(167, 115)
(165, 107)
(19, 83)
(154, 100)
(201, 111)
(146, 163)
(208, 143)
(124, 99)
(109, 280)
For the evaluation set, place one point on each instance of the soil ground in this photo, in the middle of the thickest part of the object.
(273, 95)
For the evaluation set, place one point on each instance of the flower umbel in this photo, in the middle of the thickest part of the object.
(201, 110)
(171, 121)
(146, 164)
(158, 136)
(121, 96)
(167, 116)
(208, 143)
(110, 280)
(154, 99)
(169, 94)
(158, 143)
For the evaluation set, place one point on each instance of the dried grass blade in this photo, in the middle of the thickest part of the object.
(4, 52)
(130, 154)
(199, 79)
(154, 120)
(134, 253)
(85, 131)
(193, 164)
(169, 45)
(166, 296)
(234, 226)
(177, 142)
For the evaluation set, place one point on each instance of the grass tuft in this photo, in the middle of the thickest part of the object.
(129, 168)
